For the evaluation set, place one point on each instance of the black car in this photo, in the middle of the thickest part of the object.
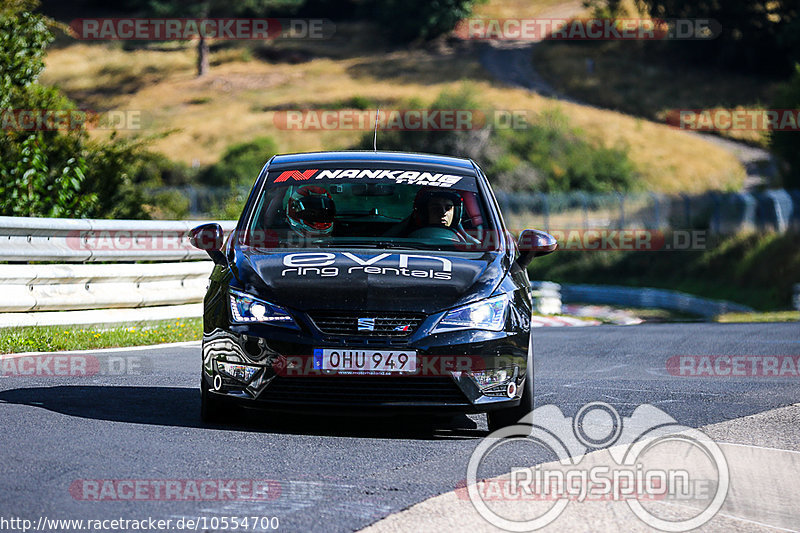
(369, 281)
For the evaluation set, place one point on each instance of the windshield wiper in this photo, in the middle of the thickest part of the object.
(359, 243)
(371, 244)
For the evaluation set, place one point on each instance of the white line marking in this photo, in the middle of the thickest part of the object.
(755, 445)
(733, 517)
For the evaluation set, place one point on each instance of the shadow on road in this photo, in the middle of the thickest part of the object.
(180, 407)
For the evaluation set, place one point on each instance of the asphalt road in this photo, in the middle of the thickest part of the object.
(138, 419)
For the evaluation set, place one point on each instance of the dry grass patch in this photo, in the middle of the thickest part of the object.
(528, 8)
(630, 78)
(194, 120)
(669, 160)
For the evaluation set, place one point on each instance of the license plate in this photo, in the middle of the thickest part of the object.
(380, 362)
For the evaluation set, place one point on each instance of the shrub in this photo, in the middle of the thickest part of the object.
(410, 20)
(785, 143)
(547, 155)
(241, 163)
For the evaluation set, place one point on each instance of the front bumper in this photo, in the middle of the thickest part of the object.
(285, 380)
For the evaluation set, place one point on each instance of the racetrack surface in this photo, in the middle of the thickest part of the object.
(343, 474)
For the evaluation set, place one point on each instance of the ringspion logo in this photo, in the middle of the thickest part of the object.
(601, 456)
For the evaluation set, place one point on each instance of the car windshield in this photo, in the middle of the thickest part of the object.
(371, 208)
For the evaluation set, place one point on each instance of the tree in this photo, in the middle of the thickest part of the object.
(55, 173)
(37, 177)
(218, 8)
(410, 20)
(757, 35)
(785, 143)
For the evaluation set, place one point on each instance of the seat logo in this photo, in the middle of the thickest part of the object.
(366, 324)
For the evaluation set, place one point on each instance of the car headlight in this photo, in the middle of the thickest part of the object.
(246, 308)
(487, 314)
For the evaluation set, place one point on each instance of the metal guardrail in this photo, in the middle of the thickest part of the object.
(717, 212)
(72, 287)
(173, 278)
(649, 298)
(93, 240)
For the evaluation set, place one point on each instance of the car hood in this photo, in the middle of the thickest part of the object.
(386, 280)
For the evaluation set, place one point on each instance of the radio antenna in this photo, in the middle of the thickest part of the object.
(375, 137)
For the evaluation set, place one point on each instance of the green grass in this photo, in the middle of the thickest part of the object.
(776, 316)
(754, 269)
(60, 338)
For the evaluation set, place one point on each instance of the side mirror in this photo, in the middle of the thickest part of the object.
(535, 243)
(209, 237)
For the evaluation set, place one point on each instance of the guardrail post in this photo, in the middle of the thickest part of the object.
(687, 211)
(656, 211)
(546, 209)
(546, 297)
(717, 215)
(585, 209)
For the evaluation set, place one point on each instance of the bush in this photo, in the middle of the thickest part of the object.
(241, 163)
(548, 155)
(564, 158)
(785, 143)
(757, 35)
(730, 268)
(410, 20)
(59, 173)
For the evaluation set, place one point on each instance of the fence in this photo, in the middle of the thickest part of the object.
(100, 267)
(721, 213)
(649, 298)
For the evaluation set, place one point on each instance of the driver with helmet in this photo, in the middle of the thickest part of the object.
(437, 208)
(310, 211)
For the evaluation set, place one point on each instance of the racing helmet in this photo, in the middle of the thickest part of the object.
(426, 194)
(310, 211)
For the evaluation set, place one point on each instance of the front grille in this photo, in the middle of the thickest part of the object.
(382, 324)
(364, 390)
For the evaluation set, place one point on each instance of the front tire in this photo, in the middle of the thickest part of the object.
(508, 417)
(211, 408)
